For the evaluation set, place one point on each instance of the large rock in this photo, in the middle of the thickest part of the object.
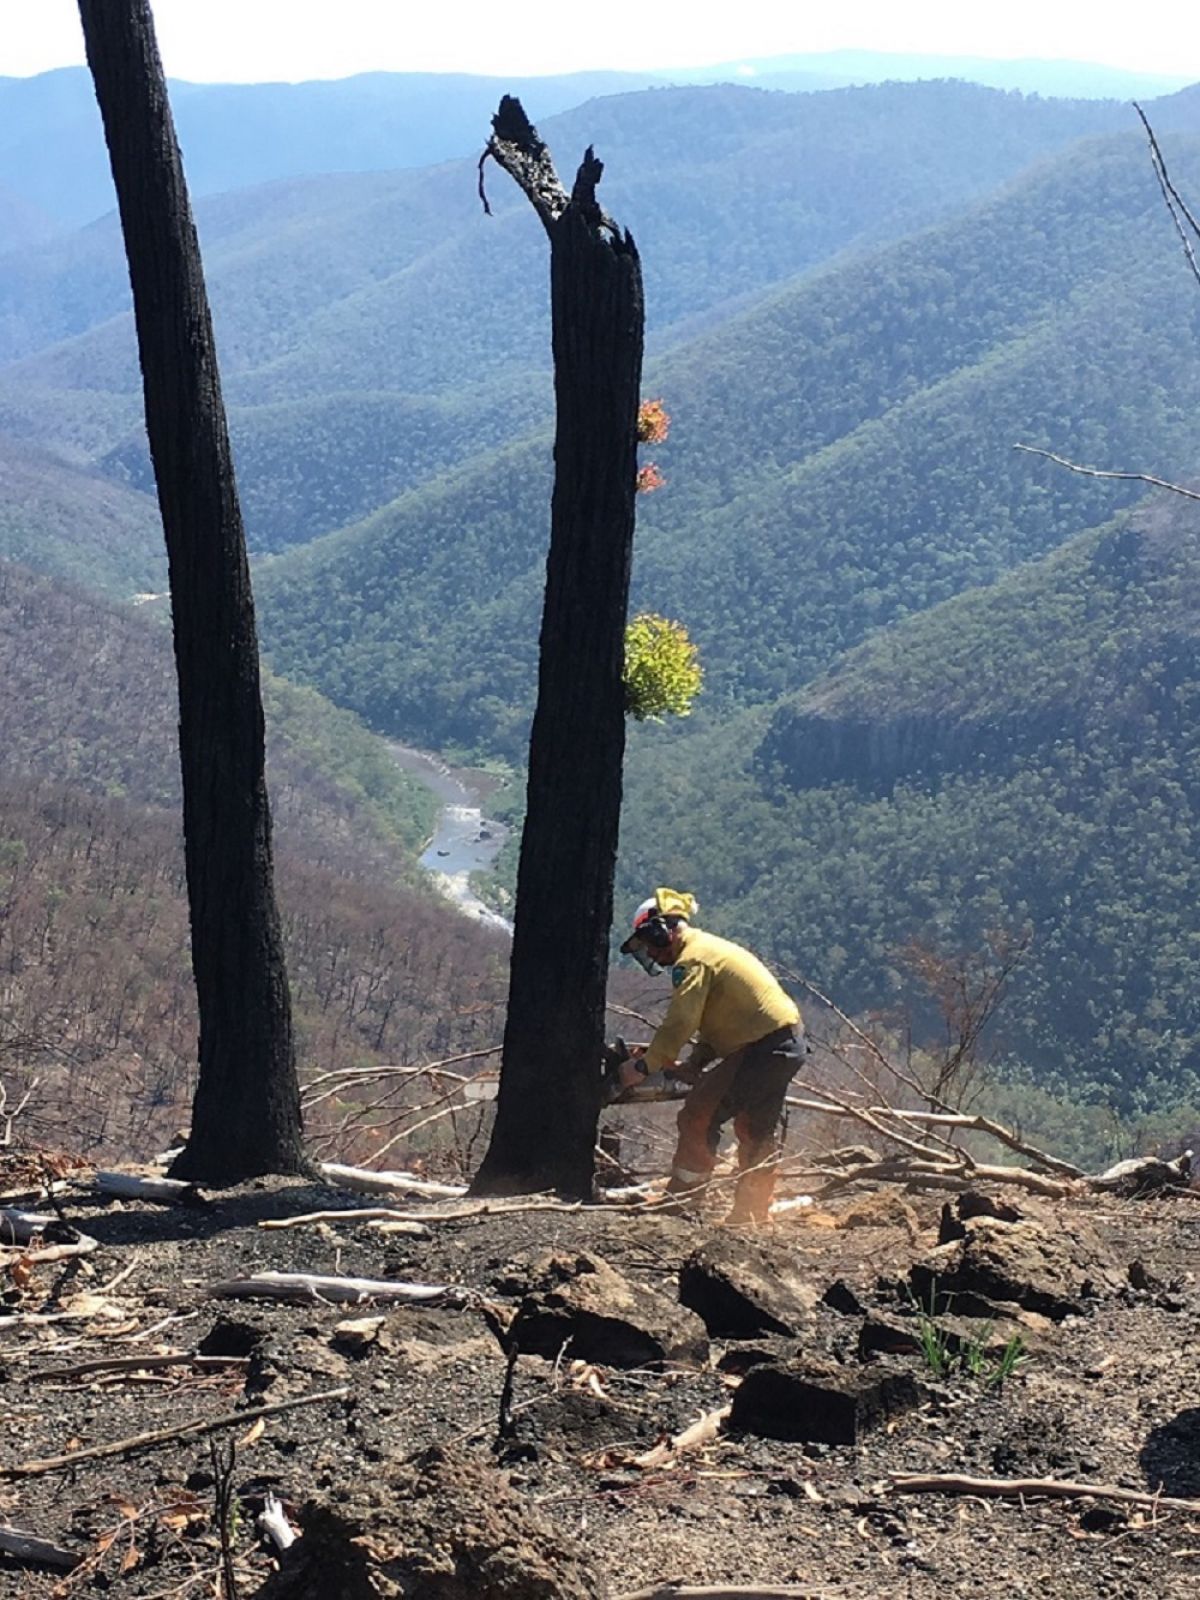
(577, 1302)
(445, 1528)
(741, 1289)
(819, 1402)
(1023, 1263)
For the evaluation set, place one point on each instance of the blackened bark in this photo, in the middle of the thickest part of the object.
(549, 1100)
(246, 1113)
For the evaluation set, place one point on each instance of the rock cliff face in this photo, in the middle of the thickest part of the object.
(1109, 642)
(820, 747)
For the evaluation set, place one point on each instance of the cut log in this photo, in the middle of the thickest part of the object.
(164, 1191)
(303, 1286)
(40, 1552)
(363, 1181)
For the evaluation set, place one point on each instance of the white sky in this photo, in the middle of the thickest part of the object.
(257, 40)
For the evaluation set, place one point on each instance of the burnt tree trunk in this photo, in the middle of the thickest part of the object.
(246, 1114)
(549, 1099)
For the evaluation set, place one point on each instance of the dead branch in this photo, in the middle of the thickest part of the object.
(52, 1252)
(366, 1214)
(1031, 1488)
(164, 1191)
(1172, 198)
(974, 1123)
(223, 1460)
(926, 1175)
(187, 1430)
(1102, 472)
(304, 1286)
(364, 1181)
(28, 1547)
(186, 1358)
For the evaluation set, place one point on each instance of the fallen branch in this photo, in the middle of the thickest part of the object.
(363, 1181)
(19, 1227)
(304, 1286)
(367, 1214)
(54, 1252)
(185, 1358)
(1031, 1488)
(28, 1547)
(164, 1191)
(187, 1430)
(939, 1176)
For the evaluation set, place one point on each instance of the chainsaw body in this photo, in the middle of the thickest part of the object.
(651, 1088)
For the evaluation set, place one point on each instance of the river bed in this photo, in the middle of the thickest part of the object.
(464, 840)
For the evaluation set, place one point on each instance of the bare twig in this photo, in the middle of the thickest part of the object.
(187, 1358)
(724, 1591)
(1031, 1488)
(1101, 472)
(1172, 199)
(334, 1290)
(223, 1462)
(365, 1214)
(148, 1441)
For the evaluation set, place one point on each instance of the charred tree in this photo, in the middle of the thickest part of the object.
(549, 1099)
(246, 1113)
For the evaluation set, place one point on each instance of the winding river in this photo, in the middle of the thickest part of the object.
(464, 840)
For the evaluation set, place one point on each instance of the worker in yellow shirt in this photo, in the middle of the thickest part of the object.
(749, 1043)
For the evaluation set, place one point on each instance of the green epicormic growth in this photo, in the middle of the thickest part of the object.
(663, 674)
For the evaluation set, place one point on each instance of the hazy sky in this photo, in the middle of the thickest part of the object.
(250, 40)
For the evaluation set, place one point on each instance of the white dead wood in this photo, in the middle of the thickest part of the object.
(165, 1191)
(350, 1217)
(186, 1430)
(795, 1202)
(305, 1286)
(701, 1432)
(358, 1331)
(83, 1246)
(363, 1181)
(28, 1547)
(275, 1525)
(972, 1123)
(400, 1225)
(1034, 1488)
(19, 1227)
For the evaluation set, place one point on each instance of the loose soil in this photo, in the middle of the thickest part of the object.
(405, 1486)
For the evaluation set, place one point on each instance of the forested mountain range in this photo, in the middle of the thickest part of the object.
(945, 690)
(236, 135)
(841, 455)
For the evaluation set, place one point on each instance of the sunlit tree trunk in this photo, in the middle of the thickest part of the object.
(549, 1099)
(246, 1114)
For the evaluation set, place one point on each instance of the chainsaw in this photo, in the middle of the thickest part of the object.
(653, 1086)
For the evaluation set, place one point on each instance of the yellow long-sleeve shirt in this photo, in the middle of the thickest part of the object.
(723, 995)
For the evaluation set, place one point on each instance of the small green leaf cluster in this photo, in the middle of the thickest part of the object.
(662, 668)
